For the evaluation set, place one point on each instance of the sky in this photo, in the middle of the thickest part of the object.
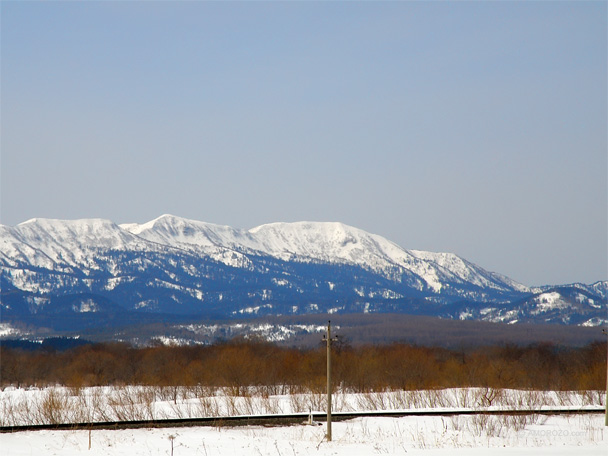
(478, 128)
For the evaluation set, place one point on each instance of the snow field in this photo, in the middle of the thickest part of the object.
(428, 435)
(53, 405)
(554, 435)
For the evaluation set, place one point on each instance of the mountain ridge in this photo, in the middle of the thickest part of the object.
(180, 266)
(322, 241)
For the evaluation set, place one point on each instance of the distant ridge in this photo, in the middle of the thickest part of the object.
(175, 266)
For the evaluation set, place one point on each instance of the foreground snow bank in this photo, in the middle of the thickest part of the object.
(465, 435)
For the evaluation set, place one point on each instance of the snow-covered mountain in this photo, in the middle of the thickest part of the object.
(320, 241)
(63, 244)
(172, 265)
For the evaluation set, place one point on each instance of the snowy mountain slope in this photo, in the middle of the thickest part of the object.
(178, 266)
(335, 242)
(567, 304)
(469, 272)
(181, 232)
(570, 304)
(63, 244)
(219, 242)
(329, 242)
(598, 288)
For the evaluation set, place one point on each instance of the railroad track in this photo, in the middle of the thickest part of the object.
(293, 418)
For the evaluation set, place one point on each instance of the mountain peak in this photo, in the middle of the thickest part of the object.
(48, 222)
(93, 229)
(163, 220)
(181, 232)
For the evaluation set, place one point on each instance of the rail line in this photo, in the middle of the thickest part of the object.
(292, 418)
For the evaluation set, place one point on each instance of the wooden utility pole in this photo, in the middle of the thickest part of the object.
(329, 340)
(606, 400)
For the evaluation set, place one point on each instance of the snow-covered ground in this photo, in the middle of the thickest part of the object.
(427, 435)
(464, 435)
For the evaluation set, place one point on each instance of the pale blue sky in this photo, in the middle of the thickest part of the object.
(477, 128)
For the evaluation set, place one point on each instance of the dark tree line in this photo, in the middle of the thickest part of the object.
(241, 363)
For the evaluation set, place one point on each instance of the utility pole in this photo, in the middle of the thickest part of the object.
(329, 340)
(606, 400)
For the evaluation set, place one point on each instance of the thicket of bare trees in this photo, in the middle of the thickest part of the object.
(239, 364)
